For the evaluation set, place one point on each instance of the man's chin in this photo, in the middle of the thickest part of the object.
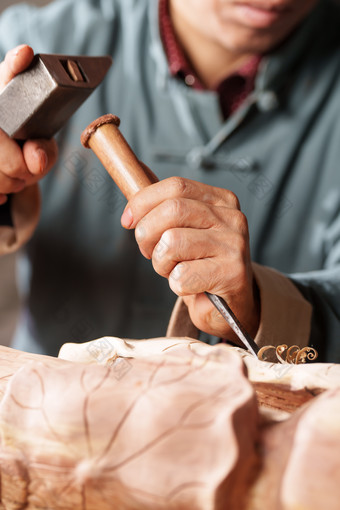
(244, 40)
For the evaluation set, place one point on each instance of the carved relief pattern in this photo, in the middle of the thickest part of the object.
(187, 427)
(80, 438)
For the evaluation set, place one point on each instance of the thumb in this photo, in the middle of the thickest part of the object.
(16, 61)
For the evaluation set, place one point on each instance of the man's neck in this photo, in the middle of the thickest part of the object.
(211, 62)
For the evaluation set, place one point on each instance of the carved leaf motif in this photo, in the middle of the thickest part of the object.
(166, 435)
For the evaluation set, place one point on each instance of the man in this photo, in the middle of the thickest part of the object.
(239, 97)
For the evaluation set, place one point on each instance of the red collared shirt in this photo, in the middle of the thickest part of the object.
(232, 91)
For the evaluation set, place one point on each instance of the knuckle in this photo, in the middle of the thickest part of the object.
(164, 250)
(179, 185)
(162, 263)
(178, 278)
(186, 280)
(240, 222)
(178, 287)
(233, 200)
(158, 265)
(141, 232)
(161, 251)
(170, 238)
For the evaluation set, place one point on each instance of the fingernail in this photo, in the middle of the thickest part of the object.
(43, 160)
(127, 218)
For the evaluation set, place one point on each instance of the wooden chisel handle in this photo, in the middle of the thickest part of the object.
(104, 137)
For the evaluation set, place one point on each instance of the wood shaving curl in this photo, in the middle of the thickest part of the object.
(293, 355)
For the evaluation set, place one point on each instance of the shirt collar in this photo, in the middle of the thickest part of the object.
(178, 63)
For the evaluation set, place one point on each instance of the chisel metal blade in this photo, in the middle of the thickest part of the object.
(233, 322)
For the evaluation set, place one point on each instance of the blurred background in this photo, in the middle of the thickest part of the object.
(9, 301)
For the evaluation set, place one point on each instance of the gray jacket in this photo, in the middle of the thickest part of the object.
(81, 273)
